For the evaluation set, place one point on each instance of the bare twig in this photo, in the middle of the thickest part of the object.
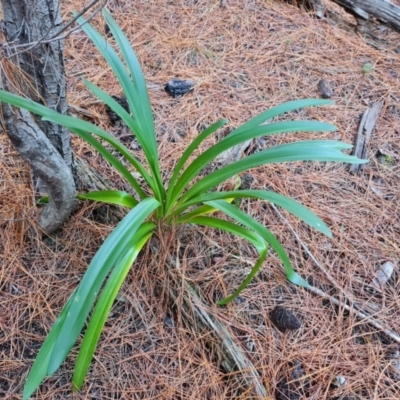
(56, 36)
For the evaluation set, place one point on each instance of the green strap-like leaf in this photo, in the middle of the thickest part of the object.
(145, 138)
(100, 266)
(251, 223)
(141, 102)
(232, 140)
(79, 127)
(187, 153)
(252, 237)
(300, 151)
(102, 310)
(123, 114)
(71, 319)
(117, 197)
(39, 369)
(278, 110)
(111, 159)
(285, 202)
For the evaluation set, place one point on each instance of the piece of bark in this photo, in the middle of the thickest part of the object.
(38, 73)
(363, 137)
(387, 13)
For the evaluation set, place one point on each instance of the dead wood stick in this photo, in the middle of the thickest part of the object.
(367, 125)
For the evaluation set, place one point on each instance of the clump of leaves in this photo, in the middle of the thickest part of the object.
(186, 198)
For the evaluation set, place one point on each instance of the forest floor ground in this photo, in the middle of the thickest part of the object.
(244, 57)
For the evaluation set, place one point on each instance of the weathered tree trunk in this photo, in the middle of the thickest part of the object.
(39, 74)
(387, 13)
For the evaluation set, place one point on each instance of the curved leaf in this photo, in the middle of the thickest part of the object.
(111, 159)
(100, 266)
(257, 241)
(278, 110)
(188, 152)
(252, 224)
(81, 128)
(232, 140)
(102, 310)
(117, 197)
(145, 137)
(313, 150)
(288, 204)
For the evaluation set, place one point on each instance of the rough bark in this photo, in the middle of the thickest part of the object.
(387, 13)
(44, 145)
(46, 163)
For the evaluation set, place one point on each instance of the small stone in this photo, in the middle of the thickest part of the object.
(177, 87)
(325, 89)
(283, 319)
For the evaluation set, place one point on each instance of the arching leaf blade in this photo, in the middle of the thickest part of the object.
(101, 264)
(299, 151)
(254, 225)
(232, 140)
(278, 110)
(102, 310)
(117, 197)
(188, 152)
(252, 237)
(286, 203)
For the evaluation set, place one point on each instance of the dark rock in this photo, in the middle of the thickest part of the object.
(177, 87)
(325, 89)
(283, 319)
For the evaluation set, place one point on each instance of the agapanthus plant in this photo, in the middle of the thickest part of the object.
(186, 198)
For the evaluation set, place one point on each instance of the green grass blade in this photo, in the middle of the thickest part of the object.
(77, 126)
(100, 266)
(188, 152)
(27, 104)
(288, 204)
(278, 110)
(39, 368)
(197, 212)
(247, 281)
(111, 159)
(300, 151)
(117, 197)
(232, 140)
(251, 223)
(76, 123)
(102, 310)
(145, 138)
(252, 237)
(142, 102)
(130, 122)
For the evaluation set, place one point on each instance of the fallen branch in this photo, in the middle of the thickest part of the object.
(387, 13)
